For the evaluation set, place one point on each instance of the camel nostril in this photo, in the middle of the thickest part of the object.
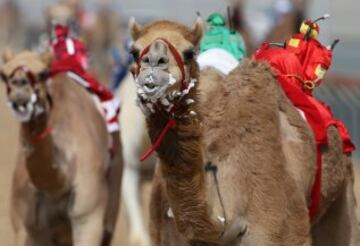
(162, 61)
(146, 60)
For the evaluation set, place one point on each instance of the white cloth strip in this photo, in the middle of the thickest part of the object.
(70, 46)
(219, 59)
(78, 79)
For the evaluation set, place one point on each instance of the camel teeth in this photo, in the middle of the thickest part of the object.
(189, 101)
(22, 108)
(221, 219)
(170, 213)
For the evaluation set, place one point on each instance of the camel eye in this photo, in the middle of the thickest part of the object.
(135, 53)
(188, 55)
(19, 82)
(22, 82)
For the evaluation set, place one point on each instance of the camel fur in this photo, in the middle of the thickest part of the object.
(264, 153)
(60, 186)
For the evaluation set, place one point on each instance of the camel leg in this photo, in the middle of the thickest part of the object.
(23, 211)
(156, 209)
(131, 198)
(114, 184)
(334, 228)
(162, 227)
(21, 235)
(88, 228)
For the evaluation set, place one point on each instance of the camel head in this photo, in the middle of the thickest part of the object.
(165, 68)
(24, 75)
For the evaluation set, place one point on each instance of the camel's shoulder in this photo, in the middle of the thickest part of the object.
(245, 102)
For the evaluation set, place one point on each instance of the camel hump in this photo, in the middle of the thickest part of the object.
(252, 79)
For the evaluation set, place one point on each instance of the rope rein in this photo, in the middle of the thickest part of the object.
(209, 167)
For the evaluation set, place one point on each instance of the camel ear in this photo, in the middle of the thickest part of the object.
(7, 55)
(197, 31)
(134, 28)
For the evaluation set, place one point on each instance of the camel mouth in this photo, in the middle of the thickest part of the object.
(153, 83)
(23, 110)
(150, 87)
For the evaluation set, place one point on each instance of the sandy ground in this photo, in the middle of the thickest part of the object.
(8, 148)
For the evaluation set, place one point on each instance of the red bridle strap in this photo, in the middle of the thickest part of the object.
(27, 71)
(176, 55)
(169, 125)
(46, 132)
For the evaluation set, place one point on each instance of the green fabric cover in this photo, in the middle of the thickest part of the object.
(219, 36)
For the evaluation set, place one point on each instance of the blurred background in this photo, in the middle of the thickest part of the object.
(103, 25)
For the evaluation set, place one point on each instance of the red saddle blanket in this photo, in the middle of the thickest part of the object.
(289, 73)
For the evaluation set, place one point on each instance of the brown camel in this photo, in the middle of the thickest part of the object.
(60, 193)
(236, 159)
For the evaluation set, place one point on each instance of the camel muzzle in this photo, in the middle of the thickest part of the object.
(23, 109)
(153, 83)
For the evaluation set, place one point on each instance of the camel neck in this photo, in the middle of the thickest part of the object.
(44, 174)
(182, 166)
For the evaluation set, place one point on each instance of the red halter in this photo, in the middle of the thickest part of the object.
(29, 74)
(27, 71)
(184, 84)
(177, 57)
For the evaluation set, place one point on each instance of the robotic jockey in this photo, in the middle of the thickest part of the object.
(315, 58)
(221, 47)
(70, 55)
(299, 66)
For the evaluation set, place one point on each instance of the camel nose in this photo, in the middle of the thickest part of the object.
(157, 55)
